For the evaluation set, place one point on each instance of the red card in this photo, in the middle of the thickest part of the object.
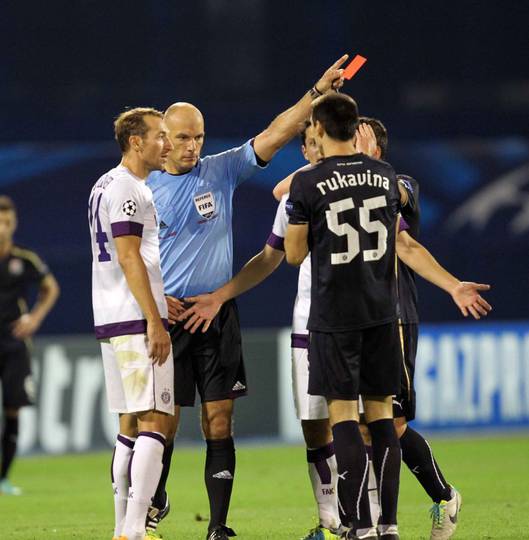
(356, 63)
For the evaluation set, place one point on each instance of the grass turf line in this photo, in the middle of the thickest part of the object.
(69, 497)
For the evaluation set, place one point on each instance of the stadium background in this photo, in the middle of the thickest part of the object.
(451, 82)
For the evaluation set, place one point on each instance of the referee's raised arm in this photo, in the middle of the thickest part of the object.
(285, 126)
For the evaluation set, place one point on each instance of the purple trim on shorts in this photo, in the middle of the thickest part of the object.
(276, 242)
(127, 442)
(403, 226)
(299, 341)
(112, 465)
(124, 328)
(160, 438)
(320, 454)
(129, 469)
(125, 228)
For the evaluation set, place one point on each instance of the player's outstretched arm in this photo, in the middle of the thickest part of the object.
(206, 306)
(285, 126)
(296, 243)
(29, 323)
(131, 262)
(465, 294)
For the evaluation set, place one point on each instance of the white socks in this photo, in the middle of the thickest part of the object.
(323, 473)
(120, 479)
(145, 471)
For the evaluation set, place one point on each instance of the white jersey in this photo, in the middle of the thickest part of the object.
(302, 302)
(121, 204)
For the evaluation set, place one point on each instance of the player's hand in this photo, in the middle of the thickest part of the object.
(204, 309)
(333, 77)
(158, 341)
(468, 300)
(175, 307)
(365, 140)
(25, 326)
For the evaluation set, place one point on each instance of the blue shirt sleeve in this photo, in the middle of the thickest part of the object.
(237, 164)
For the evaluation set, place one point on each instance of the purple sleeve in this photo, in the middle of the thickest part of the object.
(125, 228)
(276, 242)
(403, 226)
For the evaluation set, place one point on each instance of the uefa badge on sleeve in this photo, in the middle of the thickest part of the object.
(129, 208)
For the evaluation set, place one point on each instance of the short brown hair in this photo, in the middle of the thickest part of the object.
(338, 114)
(131, 122)
(6, 204)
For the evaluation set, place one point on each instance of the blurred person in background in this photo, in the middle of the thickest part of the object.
(20, 269)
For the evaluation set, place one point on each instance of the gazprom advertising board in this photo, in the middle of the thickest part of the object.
(473, 375)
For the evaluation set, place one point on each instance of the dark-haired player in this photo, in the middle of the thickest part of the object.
(346, 207)
(20, 269)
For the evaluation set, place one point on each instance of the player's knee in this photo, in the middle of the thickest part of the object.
(317, 433)
(217, 422)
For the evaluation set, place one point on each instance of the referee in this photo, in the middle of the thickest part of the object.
(19, 270)
(193, 197)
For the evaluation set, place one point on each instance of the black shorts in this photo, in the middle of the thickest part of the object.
(343, 365)
(18, 388)
(212, 362)
(404, 402)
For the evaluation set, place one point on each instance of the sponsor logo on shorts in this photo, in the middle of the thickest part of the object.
(166, 396)
(223, 475)
(238, 387)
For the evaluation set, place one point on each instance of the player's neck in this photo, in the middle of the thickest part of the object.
(332, 147)
(136, 166)
(172, 168)
(5, 248)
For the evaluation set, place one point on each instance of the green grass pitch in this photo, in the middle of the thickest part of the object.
(69, 497)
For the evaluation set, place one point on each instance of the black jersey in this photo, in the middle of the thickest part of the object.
(18, 271)
(351, 205)
(407, 289)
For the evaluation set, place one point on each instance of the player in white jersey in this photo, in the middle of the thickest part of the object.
(311, 410)
(130, 315)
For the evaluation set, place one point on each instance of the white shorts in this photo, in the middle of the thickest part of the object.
(133, 382)
(307, 407)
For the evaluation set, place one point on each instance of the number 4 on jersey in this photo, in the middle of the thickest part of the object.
(101, 236)
(353, 238)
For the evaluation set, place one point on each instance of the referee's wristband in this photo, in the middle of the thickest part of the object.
(315, 93)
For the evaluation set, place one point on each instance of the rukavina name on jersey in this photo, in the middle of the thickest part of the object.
(350, 204)
(353, 180)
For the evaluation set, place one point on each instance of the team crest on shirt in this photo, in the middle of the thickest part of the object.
(15, 267)
(205, 204)
(129, 208)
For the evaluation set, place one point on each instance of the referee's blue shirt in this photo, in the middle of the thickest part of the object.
(195, 218)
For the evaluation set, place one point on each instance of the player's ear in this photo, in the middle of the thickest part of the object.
(378, 153)
(135, 143)
(318, 128)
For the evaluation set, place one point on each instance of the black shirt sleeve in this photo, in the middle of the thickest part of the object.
(296, 205)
